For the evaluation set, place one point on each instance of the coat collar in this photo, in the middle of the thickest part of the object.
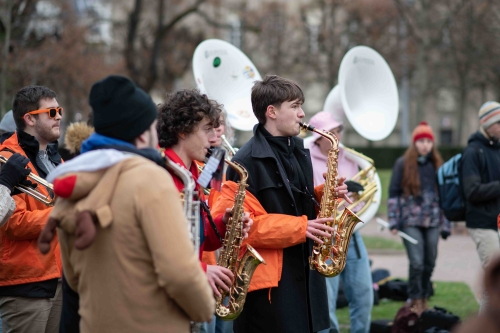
(262, 149)
(31, 146)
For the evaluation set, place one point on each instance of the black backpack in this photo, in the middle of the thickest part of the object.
(437, 318)
(451, 194)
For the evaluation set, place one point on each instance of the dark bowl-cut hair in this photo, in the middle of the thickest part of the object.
(28, 99)
(181, 112)
(273, 90)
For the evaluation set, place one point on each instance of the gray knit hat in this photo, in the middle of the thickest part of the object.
(489, 113)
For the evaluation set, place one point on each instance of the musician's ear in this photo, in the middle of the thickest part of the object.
(271, 111)
(30, 119)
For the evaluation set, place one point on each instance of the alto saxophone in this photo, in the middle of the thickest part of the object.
(230, 304)
(329, 258)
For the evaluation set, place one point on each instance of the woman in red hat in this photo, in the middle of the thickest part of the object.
(413, 207)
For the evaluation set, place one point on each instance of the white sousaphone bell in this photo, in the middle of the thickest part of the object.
(226, 75)
(367, 95)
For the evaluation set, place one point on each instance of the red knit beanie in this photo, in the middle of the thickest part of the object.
(423, 130)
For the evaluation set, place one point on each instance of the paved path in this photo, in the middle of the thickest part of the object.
(457, 259)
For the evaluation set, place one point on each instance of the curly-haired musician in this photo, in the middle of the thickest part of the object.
(284, 295)
(186, 129)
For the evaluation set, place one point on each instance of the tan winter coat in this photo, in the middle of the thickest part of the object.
(141, 273)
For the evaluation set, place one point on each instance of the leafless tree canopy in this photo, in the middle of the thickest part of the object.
(447, 49)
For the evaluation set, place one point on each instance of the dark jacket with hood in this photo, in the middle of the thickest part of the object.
(481, 181)
(277, 176)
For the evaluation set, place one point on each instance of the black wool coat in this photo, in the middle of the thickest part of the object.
(300, 302)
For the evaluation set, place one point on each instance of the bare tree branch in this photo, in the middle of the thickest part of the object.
(134, 18)
(6, 17)
(219, 25)
(162, 31)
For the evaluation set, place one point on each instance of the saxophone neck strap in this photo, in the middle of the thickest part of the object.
(306, 193)
(204, 206)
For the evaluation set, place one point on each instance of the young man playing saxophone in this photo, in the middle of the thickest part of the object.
(284, 295)
(186, 130)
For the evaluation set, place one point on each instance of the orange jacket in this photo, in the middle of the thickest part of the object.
(21, 261)
(269, 235)
(208, 257)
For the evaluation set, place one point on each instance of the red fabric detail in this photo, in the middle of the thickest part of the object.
(211, 240)
(423, 123)
(64, 187)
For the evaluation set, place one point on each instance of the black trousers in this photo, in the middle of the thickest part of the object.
(422, 258)
(70, 319)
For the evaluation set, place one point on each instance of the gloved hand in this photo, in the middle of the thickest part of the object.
(353, 186)
(14, 172)
(445, 234)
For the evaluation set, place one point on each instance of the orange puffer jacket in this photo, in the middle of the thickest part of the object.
(20, 260)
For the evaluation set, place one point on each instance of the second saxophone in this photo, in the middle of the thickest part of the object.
(243, 268)
(330, 257)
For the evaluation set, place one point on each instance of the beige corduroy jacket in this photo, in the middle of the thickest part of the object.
(141, 273)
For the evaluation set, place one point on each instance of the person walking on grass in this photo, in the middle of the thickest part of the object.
(413, 207)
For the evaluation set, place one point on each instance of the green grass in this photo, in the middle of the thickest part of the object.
(454, 296)
(379, 243)
(385, 180)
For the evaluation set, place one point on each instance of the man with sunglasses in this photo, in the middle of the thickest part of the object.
(30, 287)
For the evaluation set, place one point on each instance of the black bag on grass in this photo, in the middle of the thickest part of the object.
(396, 290)
(439, 318)
(381, 326)
(436, 330)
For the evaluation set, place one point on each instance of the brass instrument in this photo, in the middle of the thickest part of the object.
(191, 212)
(370, 181)
(243, 268)
(329, 258)
(48, 199)
(191, 207)
(225, 143)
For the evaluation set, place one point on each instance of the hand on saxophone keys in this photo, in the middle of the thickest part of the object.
(219, 277)
(341, 190)
(317, 228)
(247, 221)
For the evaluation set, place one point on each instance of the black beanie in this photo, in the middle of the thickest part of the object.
(121, 109)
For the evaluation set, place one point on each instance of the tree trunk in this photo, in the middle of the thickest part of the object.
(131, 37)
(462, 107)
(7, 23)
(162, 32)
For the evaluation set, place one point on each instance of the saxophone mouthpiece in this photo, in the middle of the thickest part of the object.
(307, 126)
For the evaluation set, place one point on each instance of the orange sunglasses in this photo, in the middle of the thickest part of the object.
(52, 112)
